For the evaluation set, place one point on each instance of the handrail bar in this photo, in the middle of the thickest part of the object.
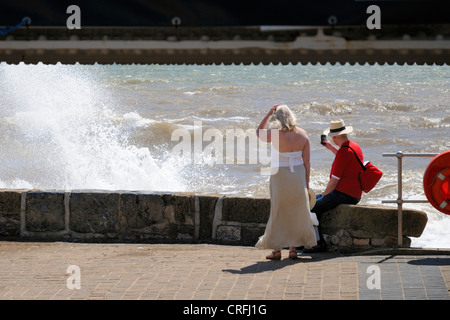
(405, 201)
(410, 154)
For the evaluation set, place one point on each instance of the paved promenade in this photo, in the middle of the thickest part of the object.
(60, 270)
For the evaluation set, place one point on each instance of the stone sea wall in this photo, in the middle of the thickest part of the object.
(95, 215)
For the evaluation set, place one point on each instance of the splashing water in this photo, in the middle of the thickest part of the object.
(64, 125)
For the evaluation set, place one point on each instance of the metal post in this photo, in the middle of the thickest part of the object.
(400, 200)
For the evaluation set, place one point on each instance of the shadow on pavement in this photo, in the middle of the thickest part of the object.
(272, 265)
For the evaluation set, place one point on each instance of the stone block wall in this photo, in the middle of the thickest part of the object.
(10, 203)
(95, 215)
(354, 227)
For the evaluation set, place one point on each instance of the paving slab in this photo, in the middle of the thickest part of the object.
(117, 271)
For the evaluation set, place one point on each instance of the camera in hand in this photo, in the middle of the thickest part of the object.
(323, 138)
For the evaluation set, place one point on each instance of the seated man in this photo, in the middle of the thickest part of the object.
(343, 186)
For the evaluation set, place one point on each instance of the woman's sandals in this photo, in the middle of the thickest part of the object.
(276, 255)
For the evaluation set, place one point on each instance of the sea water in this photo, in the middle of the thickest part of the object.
(116, 127)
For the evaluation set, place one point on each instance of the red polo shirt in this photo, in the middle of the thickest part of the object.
(346, 169)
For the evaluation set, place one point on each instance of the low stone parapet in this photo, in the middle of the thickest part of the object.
(126, 216)
(355, 227)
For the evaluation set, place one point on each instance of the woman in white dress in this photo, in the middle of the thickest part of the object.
(289, 223)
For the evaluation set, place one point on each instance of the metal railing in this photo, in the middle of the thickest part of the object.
(400, 201)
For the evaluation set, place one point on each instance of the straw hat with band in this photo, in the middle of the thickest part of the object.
(338, 127)
(312, 203)
(312, 198)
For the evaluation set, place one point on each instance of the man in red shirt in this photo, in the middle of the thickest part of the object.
(343, 186)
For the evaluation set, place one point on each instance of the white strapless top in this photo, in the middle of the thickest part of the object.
(285, 159)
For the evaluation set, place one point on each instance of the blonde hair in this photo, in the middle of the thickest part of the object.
(284, 118)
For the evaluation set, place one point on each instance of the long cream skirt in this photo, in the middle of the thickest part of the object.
(289, 223)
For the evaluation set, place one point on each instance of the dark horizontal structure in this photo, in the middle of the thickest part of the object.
(421, 44)
(225, 32)
(223, 13)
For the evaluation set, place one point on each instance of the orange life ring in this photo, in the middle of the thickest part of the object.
(436, 182)
(440, 189)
